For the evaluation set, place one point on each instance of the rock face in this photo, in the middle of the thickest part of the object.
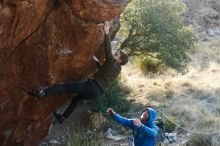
(204, 15)
(44, 42)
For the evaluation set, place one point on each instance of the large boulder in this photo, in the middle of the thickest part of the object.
(204, 16)
(44, 42)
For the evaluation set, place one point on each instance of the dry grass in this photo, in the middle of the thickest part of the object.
(98, 121)
(192, 98)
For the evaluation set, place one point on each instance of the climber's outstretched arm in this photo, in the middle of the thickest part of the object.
(108, 47)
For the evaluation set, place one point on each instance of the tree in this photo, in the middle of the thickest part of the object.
(155, 28)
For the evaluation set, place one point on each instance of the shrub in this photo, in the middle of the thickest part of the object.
(206, 122)
(169, 94)
(149, 65)
(115, 97)
(169, 126)
(182, 124)
(155, 28)
(82, 136)
(200, 140)
(218, 111)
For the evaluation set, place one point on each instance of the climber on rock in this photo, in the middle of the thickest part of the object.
(144, 129)
(92, 87)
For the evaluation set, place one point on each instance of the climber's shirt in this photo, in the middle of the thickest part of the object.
(110, 69)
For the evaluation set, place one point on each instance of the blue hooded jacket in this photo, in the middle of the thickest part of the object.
(146, 134)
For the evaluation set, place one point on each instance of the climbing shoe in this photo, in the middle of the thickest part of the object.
(59, 117)
(38, 94)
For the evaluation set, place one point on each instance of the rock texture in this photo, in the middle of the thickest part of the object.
(43, 42)
(205, 16)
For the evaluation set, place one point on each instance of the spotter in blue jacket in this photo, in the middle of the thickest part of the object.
(146, 133)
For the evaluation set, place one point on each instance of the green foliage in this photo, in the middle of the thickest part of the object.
(155, 28)
(81, 136)
(218, 111)
(169, 126)
(149, 64)
(115, 97)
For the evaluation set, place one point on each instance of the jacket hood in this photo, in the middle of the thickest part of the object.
(152, 116)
